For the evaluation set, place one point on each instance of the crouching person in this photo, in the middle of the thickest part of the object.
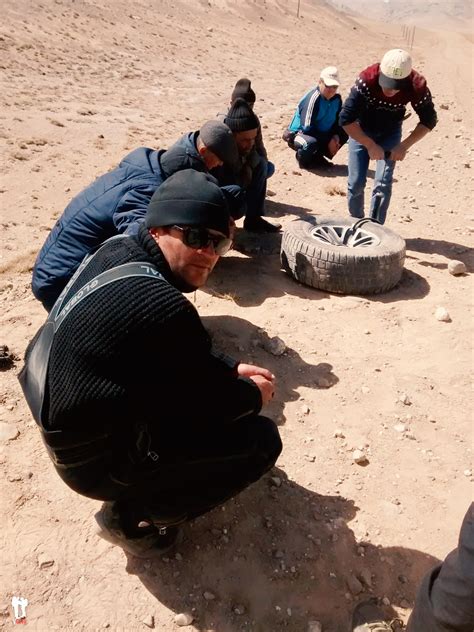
(134, 406)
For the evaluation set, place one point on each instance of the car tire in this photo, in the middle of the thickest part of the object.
(323, 253)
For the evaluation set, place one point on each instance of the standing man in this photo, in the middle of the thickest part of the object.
(314, 131)
(134, 406)
(118, 199)
(372, 115)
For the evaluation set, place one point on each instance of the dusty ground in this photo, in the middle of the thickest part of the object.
(82, 85)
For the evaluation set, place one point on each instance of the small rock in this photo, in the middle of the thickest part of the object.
(315, 626)
(323, 382)
(6, 358)
(354, 585)
(239, 609)
(436, 154)
(359, 457)
(210, 29)
(183, 618)
(467, 472)
(366, 576)
(44, 560)
(404, 399)
(276, 481)
(456, 267)
(209, 596)
(404, 603)
(275, 346)
(278, 555)
(8, 432)
(149, 621)
(386, 601)
(400, 427)
(442, 315)
(305, 410)
(444, 106)
(365, 390)
(338, 434)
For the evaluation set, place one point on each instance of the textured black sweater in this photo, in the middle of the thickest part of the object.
(378, 113)
(136, 351)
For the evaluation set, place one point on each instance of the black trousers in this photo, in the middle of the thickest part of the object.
(445, 600)
(189, 474)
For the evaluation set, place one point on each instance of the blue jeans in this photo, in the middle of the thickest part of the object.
(358, 166)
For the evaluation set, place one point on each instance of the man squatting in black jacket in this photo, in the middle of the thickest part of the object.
(174, 428)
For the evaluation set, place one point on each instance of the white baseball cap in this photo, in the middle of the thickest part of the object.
(395, 67)
(330, 76)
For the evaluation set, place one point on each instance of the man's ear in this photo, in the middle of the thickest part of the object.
(202, 149)
(156, 232)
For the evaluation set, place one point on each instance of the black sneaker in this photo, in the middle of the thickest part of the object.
(154, 540)
(260, 225)
(369, 616)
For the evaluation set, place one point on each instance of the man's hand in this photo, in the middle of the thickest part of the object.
(266, 387)
(263, 378)
(250, 370)
(334, 145)
(398, 153)
(375, 152)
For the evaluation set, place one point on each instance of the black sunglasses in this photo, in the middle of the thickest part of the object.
(197, 238)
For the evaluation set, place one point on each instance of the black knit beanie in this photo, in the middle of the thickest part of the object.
(243, 89)
(240, 118)
(189, 198)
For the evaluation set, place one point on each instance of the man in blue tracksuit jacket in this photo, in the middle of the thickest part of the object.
(118, 200)
(314, 131)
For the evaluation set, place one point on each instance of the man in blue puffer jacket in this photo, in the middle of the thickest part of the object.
(117, 201)
(314, 132)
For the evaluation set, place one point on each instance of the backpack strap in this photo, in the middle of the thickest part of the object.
(87, 259)
(34, 374)
(135, 269)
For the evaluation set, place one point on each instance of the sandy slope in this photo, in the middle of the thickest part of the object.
(81, 85)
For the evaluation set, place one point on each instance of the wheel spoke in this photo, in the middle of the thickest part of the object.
(342, 236)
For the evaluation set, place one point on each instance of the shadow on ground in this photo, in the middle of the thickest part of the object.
(276, 557)
(333, 170)
(412, 287)
(250, 281)
(279, 209)
(246, 342)
(447, 249)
